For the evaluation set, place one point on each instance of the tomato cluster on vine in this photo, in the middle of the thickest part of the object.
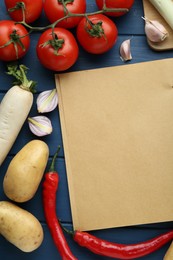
(57, 48)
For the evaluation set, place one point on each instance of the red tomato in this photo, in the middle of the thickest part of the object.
(14, 49)
(65, 55)
(98, 37)
(115, 4)
(54, 10)
(33, 10)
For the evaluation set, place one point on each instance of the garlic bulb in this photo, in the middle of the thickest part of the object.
(40, 125)
(125, 52)
(47, 101)
(155, 31)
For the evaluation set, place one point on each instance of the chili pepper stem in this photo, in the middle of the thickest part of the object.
(70, 232)
(52, 166)
(50, 186)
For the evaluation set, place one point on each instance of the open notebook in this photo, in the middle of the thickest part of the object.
(117, 127)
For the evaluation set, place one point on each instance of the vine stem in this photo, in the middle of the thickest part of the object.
(69, 14)
(52, 26)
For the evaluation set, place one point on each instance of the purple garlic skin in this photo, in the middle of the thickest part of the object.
(125, 52)
(155, 31)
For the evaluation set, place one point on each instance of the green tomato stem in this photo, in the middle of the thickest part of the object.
(69, 14)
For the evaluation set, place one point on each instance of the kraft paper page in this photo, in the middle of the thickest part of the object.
(117, 127)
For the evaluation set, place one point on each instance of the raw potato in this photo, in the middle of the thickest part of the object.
(25, 171)
(20, 227)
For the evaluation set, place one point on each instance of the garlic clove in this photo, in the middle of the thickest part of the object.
(40, 125)
(47, 101)
(155, 31)
(125, 52)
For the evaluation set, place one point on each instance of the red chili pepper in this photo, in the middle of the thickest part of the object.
(121, 251)
(50, 186)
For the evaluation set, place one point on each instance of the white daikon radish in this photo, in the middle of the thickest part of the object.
(14, 109)
(165, 8)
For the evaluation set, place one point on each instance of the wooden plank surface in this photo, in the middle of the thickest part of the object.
(129, 26)
(152, 14)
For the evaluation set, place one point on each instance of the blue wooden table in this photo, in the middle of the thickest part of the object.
(129, 26)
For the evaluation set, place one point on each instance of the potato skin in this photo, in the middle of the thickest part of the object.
(20, 227)
(25, 171)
